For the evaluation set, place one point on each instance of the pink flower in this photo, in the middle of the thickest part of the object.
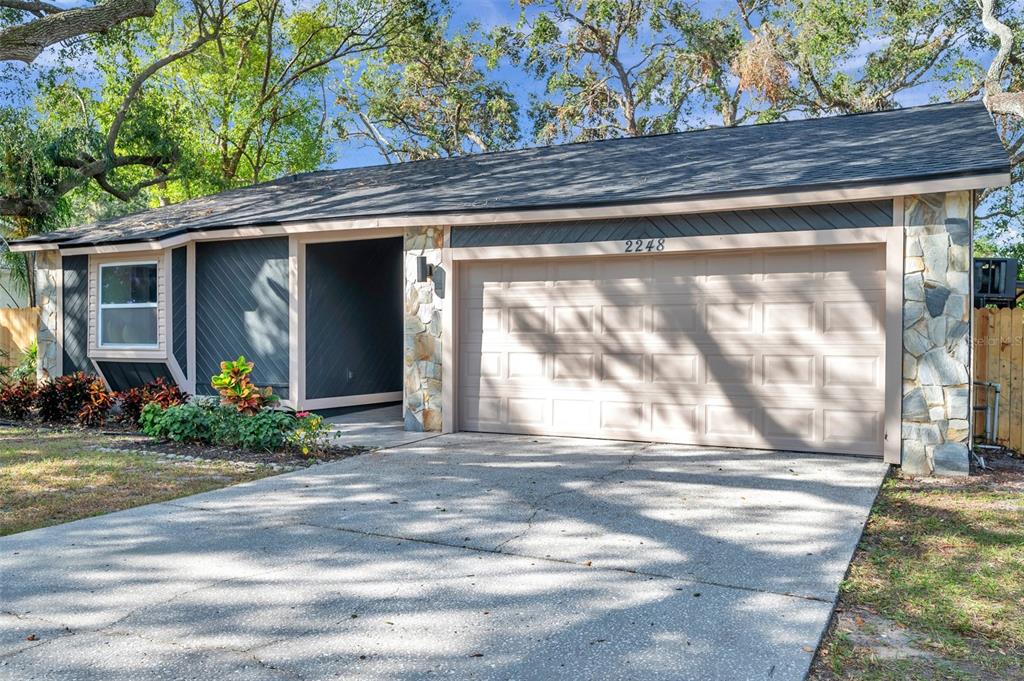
(301, 414)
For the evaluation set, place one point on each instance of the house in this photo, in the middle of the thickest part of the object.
(800, 285)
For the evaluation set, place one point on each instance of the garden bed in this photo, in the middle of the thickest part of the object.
(283, 457)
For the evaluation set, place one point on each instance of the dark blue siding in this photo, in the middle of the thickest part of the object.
(179, 308)
(124, 375)
(354, 318)
(242, 309)
(76, 314)
(796, 218)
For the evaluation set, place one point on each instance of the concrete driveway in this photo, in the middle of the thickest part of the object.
(463, 557)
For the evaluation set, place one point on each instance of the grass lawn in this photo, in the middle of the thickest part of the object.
(49, 477)
(936, 589)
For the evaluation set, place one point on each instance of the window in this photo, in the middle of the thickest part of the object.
(128, 309)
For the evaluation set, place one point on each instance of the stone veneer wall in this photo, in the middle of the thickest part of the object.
(47, 272)
(424, 303)
(936, 333)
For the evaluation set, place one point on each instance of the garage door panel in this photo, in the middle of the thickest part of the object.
(767, 372)
(724, 349)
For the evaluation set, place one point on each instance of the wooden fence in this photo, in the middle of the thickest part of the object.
(18, 327)
(999, 358)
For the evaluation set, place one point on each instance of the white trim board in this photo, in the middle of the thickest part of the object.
(351, 400)
(639, 209)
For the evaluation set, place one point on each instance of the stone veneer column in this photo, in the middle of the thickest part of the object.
(423, 324)
(936, 334)
(47, 273)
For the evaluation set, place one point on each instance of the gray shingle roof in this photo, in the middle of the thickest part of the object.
(928, 142)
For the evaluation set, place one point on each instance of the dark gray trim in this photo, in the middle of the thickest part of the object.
(179, 307)
(354, 318)
(789, 219)
(75, 309)
(242, 309)
(124, 375)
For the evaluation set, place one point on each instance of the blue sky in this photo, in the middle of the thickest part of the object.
(488, 14)
(491, 13)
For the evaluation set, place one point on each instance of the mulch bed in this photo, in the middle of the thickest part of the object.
(127, 439)
(285, 457)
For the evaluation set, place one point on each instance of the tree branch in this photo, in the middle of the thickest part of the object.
(25, 42)
(998, 101)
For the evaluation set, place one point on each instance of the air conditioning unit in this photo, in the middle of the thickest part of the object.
(995, 282)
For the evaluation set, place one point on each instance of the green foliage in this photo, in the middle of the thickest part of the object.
(237, 389)
(267, 430)
(310, 433)
(189, 422)
(847, 56)
(616, 68)
(429, 95)
(219, 425)
(26, 367)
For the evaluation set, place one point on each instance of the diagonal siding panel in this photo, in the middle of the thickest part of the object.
(354, 318)
(832, 216)
(179, 296)
(124, 375)
(76, 314)
(242, 309)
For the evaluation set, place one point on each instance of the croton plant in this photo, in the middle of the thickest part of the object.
(237, 389)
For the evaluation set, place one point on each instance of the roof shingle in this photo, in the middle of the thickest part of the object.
(928, 142)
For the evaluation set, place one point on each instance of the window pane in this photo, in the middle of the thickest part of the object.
(128, 284)
(128, 326)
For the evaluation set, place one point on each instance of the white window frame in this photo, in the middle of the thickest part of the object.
(100, 305)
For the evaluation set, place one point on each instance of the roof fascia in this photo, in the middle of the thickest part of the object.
(468, 218)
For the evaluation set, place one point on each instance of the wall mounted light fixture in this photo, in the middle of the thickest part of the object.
(423, 270)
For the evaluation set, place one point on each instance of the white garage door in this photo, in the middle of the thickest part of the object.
(776, 348)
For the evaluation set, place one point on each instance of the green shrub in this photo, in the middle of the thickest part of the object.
(310, 433)
(218, 425)
(187, 422)
(265, 430)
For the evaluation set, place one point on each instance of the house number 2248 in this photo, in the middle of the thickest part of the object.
(644, 245)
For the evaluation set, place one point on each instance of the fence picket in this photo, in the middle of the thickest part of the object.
(18, 327)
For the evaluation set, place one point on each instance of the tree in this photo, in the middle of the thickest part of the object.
(72, 149)
(1001, 211)
(27, 27)
(203, 97)
(428, 96)
(615, 68)
(826, 57)
(253, 106)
